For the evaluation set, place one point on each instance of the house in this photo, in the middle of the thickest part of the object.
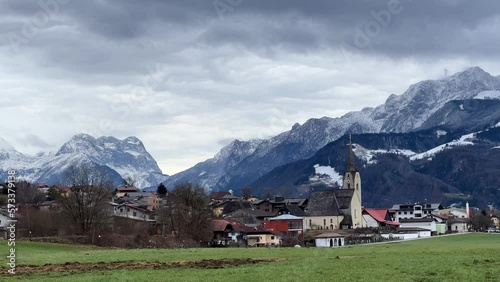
(380, 217)
(338, 208)
(249, 216)
(261, 237)
(406, 233)
(330, 239)
(217, 208)
(47, 205)
(42, 187)
(264, 205)
(148, 200)
(293, 210)
(289, 226)
(4, 223)
(455, 212)
(278, 203)
(4, 218)
(217, 196)
(417, 210)
(132, 211)
(232, 206)
(227, 231)
(496, 221)
(457, 225)
(121, 191)
(427, 223)
(441, 223)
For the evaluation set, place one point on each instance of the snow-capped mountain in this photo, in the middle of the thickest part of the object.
(209, 172)
(437, 164)
(121, 158)
(400, 113)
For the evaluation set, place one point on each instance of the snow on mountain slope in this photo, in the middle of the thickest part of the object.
(126, 158)
(491, 94)
(400, 113)
(326, 175)
(369, 155)
(462, 141)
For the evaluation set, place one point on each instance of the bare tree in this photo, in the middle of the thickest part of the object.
(87, 205)
(187, 213)
(480, 221)
(246, 193)
(27, 193)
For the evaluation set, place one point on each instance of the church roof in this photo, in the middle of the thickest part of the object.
(329, 202)
(323, 203)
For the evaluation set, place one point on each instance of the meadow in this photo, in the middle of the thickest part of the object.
(468, 257)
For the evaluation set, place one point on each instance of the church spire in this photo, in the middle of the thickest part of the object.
(351, 166)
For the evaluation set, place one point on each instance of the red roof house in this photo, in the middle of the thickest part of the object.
(378, 217)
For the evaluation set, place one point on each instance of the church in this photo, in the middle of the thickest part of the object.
(339, 208)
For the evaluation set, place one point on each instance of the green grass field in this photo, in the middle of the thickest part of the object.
(469, 257)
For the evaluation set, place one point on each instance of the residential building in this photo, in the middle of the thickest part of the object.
(132, 211)
(427, 223)
(380, 217)
(290, 227)
(417, 210)
(457, 225)
(496, 221)
(121, 191)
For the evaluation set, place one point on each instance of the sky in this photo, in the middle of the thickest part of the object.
(187, 77)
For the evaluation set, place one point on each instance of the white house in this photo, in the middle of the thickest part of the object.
(417, 210)
(329, 239)
(408, 233)
(457, 225)
(130, 211)
(427, 223)
(4, 217)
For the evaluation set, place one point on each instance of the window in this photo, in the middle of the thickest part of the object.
(324, 221)
(411, 212)
(418, 215)
(128, 210)
(331, 220)
(121, 210)
(310, 223)
(295, 225)
(357, 186)
(399, 212)
(406, 213)
(272, 237)
(135, 214)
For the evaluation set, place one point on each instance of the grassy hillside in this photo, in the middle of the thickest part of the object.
(470, 257)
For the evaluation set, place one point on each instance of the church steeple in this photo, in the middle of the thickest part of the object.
(351, 166)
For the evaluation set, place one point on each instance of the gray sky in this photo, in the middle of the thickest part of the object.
(187, 77)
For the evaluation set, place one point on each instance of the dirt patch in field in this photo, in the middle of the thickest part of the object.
(83, 267)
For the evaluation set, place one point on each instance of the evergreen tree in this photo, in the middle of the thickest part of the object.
(162, 190)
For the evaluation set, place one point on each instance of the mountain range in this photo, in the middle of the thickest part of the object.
(122, 159)
(462, 102)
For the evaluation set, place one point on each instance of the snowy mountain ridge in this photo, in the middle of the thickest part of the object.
(400, 113)
(123, 158)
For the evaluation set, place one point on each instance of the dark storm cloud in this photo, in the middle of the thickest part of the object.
(204, 68)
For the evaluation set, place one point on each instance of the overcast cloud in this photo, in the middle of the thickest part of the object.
(187, 77)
